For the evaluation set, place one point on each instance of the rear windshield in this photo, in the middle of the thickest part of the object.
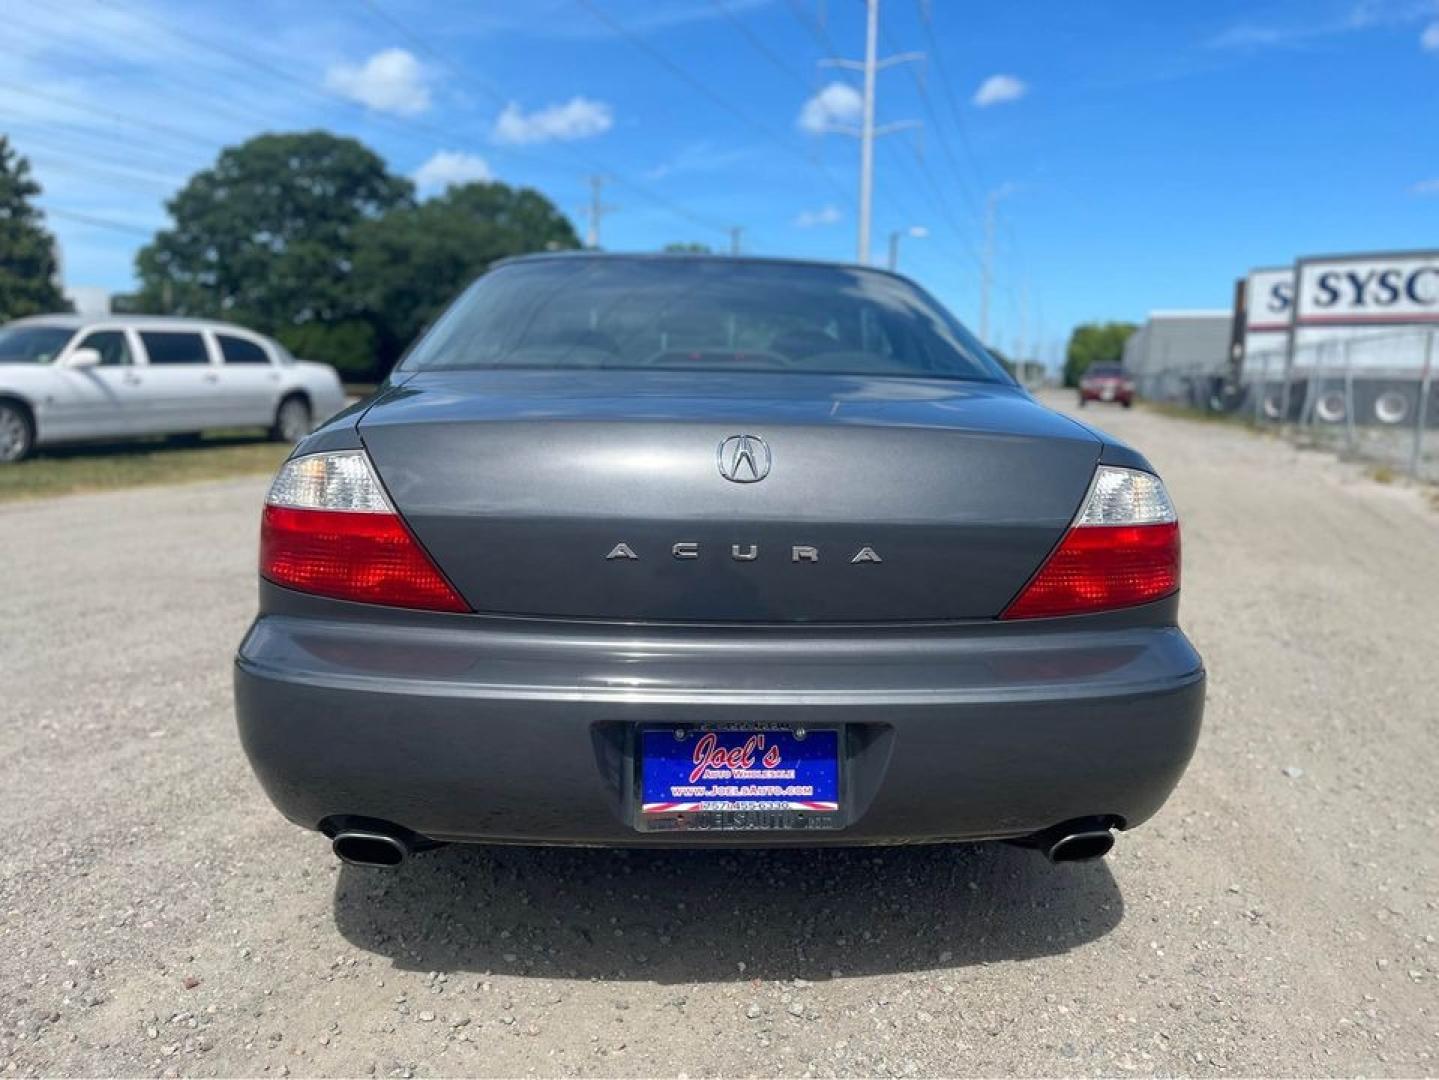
(700, 315)
(1101, 372)
(32, 344)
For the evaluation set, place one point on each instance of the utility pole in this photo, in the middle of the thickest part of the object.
(986, 272)
(866, 135)
(1023, 320)
(597, 210)
(867, 132)
(917, 231)
(735, 232)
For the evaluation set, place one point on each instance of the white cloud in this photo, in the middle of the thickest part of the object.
(447, 167)
(391, 81)
(998, 89)
(578, 118)
(1304, 33)
(809, 219)
(837, 103)
(1429, 40)
(1425, 187)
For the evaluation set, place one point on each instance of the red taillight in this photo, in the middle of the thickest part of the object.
(369, 557)
(1122, 549)
(1099, 567)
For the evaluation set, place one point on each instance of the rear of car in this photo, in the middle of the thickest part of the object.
(654, 552)
(1107, 384)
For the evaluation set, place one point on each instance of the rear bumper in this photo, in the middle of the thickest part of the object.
(1120, 397)
(491, 730)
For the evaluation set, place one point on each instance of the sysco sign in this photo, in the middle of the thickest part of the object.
(1374, 290)
(1268, 298)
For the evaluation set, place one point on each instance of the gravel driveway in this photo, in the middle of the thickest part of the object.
(1279, 916)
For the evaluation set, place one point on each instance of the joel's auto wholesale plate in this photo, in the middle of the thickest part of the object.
(720, 780)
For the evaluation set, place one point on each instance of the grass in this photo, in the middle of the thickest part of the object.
(105, 466)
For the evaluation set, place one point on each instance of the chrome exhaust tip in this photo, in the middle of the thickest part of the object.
(360, 848)
(1080, 846)
(1079, 840)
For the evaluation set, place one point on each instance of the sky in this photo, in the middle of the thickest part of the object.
(1138, 155)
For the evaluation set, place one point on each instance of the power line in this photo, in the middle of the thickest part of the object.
(99, 222)
(109, 114)
(937, 125)
(947, 85)
(411, 129)
(757, 43)
(48, 161)
(705, 91)
(815, 30)
(104, 145)
(644, 192)
(937, 200)
(197, 93)
(956, 112)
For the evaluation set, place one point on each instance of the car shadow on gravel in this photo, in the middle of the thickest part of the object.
(707, 916)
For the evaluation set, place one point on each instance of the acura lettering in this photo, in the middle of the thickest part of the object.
(687, 550)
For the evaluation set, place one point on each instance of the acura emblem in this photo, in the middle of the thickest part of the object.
(744, 459)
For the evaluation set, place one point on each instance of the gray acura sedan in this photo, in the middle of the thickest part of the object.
(653, 550)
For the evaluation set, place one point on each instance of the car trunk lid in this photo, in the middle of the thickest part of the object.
(600, 494)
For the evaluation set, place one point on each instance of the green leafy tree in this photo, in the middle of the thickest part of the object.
(1094, 343)
(412, 261)
(28, 266)
(266, 237)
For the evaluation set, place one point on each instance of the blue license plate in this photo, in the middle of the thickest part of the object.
(694, 770)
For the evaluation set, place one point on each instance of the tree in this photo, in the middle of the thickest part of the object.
(28, 266)
(266, 237)
(1094, 343)
(412, 261)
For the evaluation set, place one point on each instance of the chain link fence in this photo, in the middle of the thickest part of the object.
(1368, 397)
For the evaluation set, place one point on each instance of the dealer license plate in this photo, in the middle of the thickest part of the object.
(738, 779)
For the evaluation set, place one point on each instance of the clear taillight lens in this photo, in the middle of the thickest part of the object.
(329, 529)
(1121, 550)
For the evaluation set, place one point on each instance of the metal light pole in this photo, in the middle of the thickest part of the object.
(919, 232)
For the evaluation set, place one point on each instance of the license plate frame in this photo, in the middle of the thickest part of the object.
(817, 758)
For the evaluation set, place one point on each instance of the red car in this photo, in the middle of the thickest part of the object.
(1106, 384)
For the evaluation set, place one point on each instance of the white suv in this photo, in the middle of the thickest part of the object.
(69, 378)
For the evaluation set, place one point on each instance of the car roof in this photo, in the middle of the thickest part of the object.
(695, 257)
(70, 321)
